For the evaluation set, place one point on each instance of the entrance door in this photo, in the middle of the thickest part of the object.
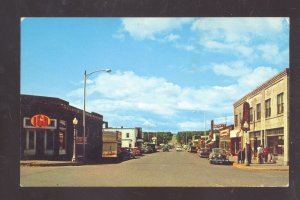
(40, 135)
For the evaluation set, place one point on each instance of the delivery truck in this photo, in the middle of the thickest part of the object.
(111, 144)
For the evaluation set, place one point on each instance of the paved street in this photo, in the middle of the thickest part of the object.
(162, 169)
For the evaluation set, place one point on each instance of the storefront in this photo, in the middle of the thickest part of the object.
(256, 139)
(225, 139)
(275, 141)
(235, 141)
(47, 130)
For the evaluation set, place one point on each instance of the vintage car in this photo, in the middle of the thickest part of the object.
(165, 148)
(178, 148)
(125, 154)
(218, 156)
(204, 152)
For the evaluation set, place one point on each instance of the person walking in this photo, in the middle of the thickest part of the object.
(260, 152)
(266, 153)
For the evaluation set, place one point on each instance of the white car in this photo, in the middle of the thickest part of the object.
(178, 148)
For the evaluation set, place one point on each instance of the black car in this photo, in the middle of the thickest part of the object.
(165, 148)
(204, 152)
(218, 156)
(126, 154)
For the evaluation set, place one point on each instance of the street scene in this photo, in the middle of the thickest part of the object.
(160, 169)
(155, 102)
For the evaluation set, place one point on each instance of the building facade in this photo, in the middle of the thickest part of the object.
(131, 137)
(54, 141)
(269, 117)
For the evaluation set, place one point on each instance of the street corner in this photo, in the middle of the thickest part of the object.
(260, 167)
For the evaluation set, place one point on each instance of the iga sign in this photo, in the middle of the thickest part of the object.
(40, 121)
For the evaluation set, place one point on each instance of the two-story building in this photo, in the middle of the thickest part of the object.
(269, 117)
(131, 137)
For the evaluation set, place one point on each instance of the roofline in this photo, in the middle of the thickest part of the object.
(272, 80)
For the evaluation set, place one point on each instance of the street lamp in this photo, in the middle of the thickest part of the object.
(86, 75)
(74, 159)
(246, 126)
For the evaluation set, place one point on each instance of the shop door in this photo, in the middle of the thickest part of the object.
(40, 134)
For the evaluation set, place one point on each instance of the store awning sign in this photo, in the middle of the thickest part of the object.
(40, 121)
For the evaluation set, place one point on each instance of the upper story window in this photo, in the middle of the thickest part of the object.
(251, 114)
(268, 108)
(235, 120)
(258, 111)
(280, 107)
(127, 135)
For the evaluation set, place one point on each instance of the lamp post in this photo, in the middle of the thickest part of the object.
(86, 75)
(246, 126)
(74, 159)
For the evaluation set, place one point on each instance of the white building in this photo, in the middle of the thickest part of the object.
(131, 137)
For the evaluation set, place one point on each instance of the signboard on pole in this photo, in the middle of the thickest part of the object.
(245, 122)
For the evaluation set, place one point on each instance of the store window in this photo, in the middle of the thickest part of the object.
(31, 140)
(251, 114)
(258, 111)
(280, 103)
(235, 120)
(49, 140)
(62, 136)
(268, 108)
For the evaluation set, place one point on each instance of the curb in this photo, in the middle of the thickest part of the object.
(257, 168)
(33, 164)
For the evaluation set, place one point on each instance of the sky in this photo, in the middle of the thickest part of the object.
(168, 74)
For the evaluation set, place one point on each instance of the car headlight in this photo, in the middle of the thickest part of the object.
(219, 156)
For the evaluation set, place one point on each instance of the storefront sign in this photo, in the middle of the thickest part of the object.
(224, 133)
(219, 125)
(40, 121)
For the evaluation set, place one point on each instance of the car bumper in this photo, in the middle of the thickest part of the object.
(219, 161)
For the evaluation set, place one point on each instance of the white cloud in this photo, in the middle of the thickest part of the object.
(148, 28)
(272, 53)
(238, 29)
(258, 76)
(239, 36)
(189, 125)
(233, 69)
(126, 93)
(172, 37)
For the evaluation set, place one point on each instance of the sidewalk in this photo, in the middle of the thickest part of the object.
(48, 163)
(256, 166)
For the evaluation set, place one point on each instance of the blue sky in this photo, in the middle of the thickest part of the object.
(166, 72)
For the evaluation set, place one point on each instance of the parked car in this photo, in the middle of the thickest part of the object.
(136, 151)
(204, 152)
(193, 149)
(147, 149)
(178, 148)
(126, 154)
(218, 156)
(165, 148)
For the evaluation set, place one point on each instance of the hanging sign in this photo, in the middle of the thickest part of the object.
(40, 121)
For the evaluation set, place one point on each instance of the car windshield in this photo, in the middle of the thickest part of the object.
(218, 151)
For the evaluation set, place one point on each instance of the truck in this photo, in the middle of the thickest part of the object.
(111, 144)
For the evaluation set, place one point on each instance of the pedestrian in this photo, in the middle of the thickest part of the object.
(243, 155)
(266, 152)
(240, 156)
(260, 152)
(249, 153)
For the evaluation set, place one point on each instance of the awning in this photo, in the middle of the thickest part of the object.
(235, 133)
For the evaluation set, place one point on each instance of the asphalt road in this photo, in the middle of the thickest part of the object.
(161, 169)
